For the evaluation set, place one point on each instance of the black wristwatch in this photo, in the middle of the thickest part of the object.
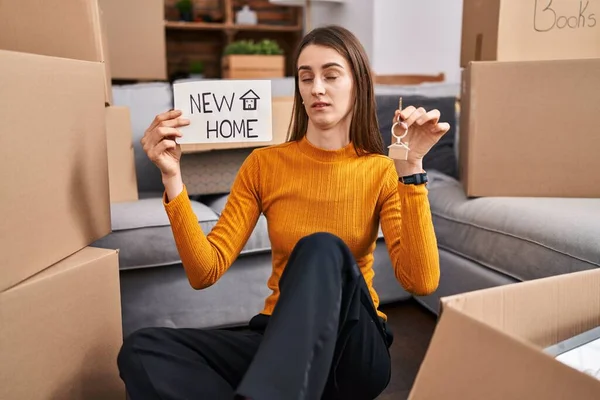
(416, 179)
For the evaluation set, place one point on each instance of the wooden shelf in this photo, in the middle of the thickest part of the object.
(195, 26)
(214, 26)
(205, 41)
(269, 28)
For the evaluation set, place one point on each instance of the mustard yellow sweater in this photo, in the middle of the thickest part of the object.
(302, 189)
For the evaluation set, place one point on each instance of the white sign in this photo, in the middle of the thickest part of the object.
(225, 111)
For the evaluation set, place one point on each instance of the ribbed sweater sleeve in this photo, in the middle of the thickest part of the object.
(207, 257)
(409, 234)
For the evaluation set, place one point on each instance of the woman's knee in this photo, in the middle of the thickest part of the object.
(327, 244)
(324, 240)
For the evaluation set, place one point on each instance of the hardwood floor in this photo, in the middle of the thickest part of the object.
(413, 327)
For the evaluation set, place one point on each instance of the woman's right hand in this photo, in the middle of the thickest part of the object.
(159, 142)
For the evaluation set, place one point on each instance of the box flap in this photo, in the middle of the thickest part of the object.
(137, 45)
(104, 48)
(468, 359)
(548, 29)
(121, 158)
(479, 39)
(527, 30)
(465, 120)
(541, 312)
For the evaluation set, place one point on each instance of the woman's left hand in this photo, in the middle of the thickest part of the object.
(424, 131)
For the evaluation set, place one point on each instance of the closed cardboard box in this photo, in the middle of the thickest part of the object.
(490, 344)
(60, 331)
(136, 38)
(531, 128)
(121, 161)
(522, 30)
(69, 28)
(53, 164)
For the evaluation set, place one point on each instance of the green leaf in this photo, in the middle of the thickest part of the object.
(265, 46)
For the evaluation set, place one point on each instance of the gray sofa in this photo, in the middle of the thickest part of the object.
(492, 241)
(482, 242)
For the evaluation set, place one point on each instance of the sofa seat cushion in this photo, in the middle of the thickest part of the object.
(142, 233)
(524, 238)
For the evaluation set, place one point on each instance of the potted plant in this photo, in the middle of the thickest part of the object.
(196, 70)
(247, 59)
(186, 10)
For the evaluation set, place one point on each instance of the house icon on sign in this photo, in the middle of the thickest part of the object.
(249, 100)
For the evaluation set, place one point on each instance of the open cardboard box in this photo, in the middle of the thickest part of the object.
(527, 30)
(488, 344)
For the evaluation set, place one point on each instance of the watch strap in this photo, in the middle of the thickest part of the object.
(415, 179)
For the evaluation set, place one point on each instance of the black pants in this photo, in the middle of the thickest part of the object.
(324, 340)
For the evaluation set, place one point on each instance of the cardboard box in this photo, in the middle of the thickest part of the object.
(60, 331)
(525, 30)
(121, 161)
(281, 111)
(241, 66)
(530, 128)
(70, 29)
(108, 95)
(53, 162)
(136, 38)
(488, 344)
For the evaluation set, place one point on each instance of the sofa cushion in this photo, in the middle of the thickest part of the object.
(142, 233)
(525, 238)
(148, 213)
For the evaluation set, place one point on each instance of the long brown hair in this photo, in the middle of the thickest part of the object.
(364, 127)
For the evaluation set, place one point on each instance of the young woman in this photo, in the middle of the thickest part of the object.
(324, 193)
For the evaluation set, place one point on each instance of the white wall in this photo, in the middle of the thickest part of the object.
(402, 36)
(417, 37)
(356, 15)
